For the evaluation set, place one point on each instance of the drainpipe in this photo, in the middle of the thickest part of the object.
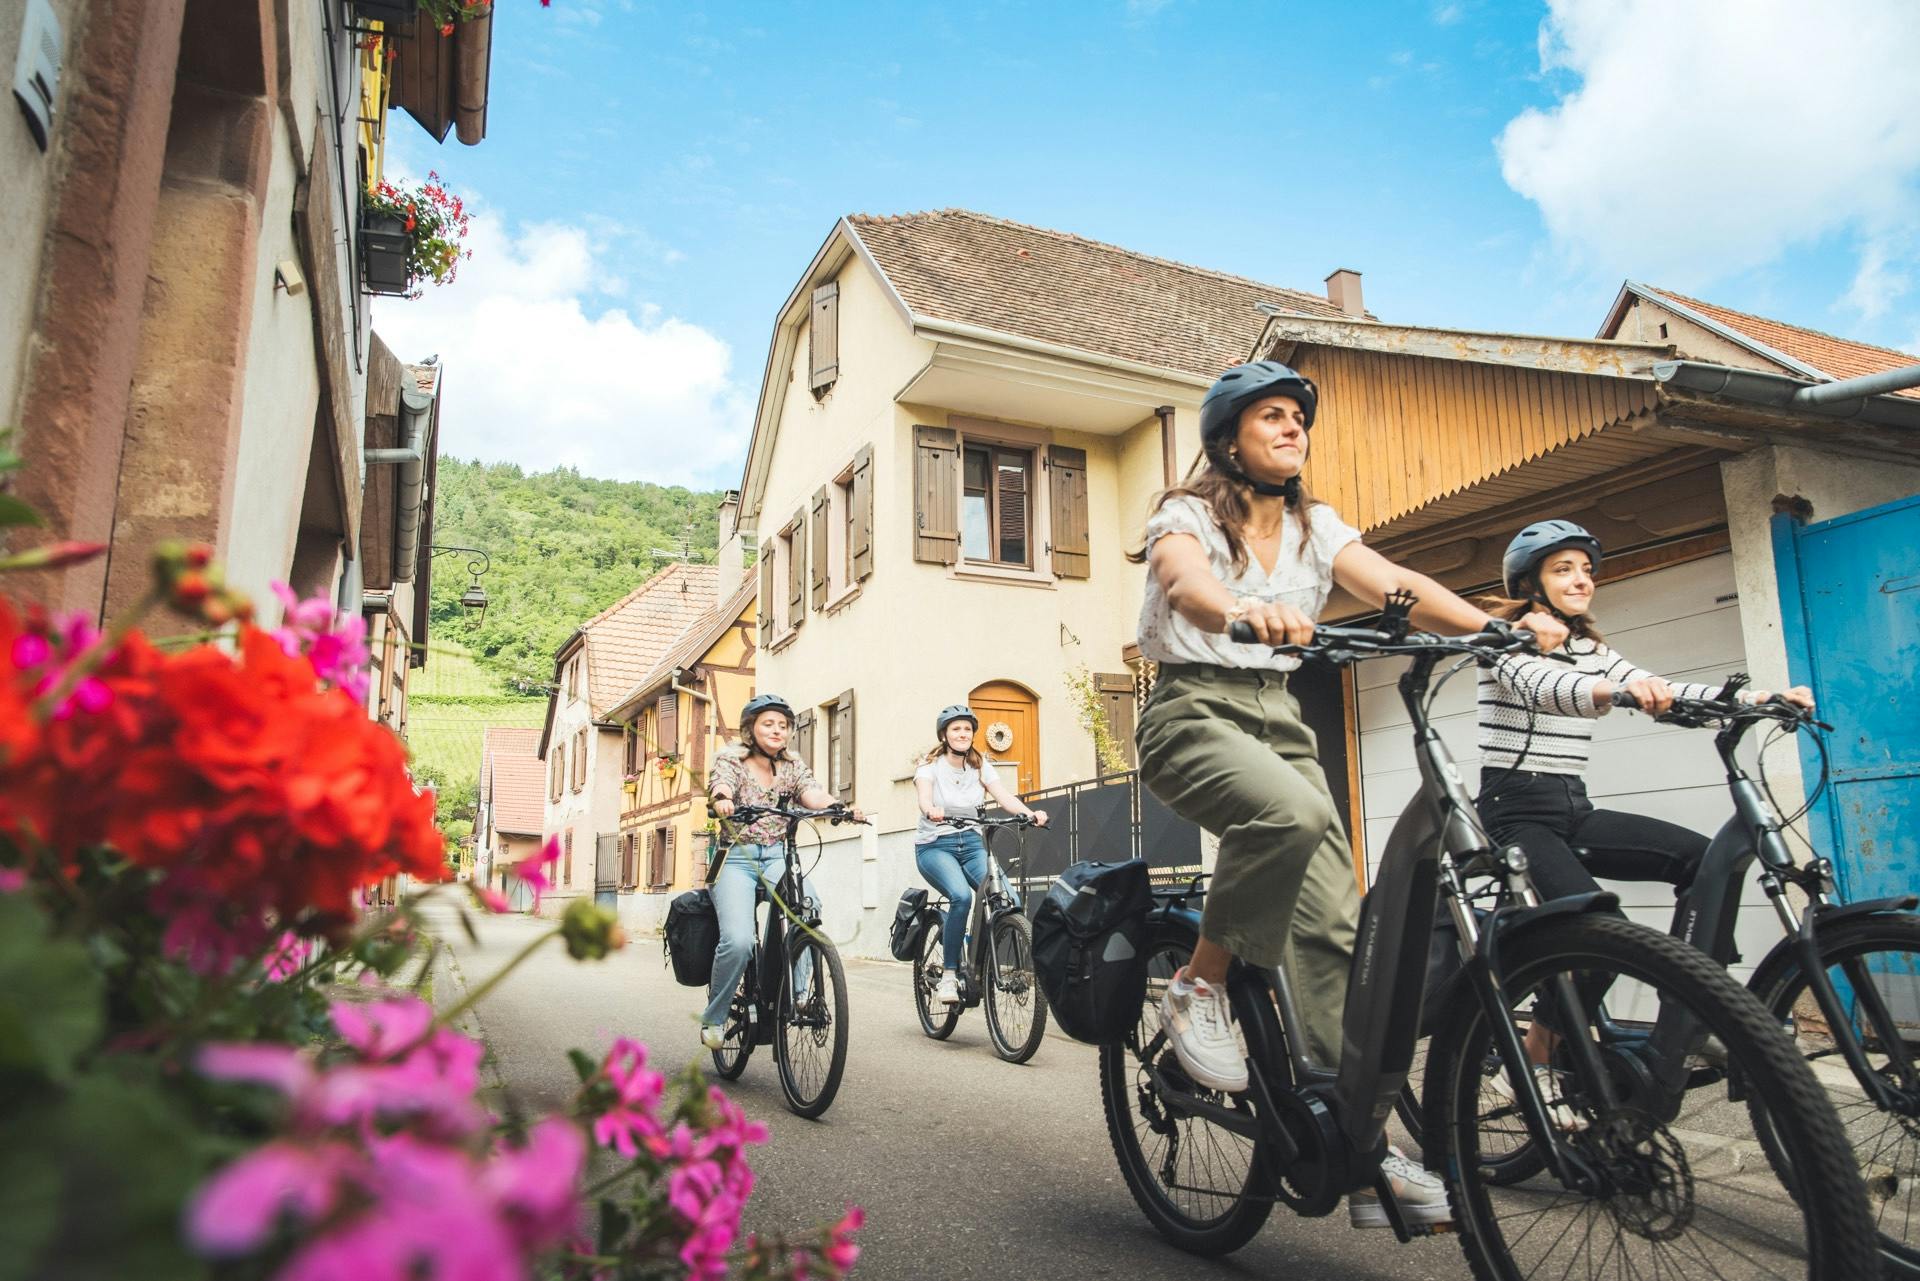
(416, 408)
(673, 682)
(1856, 388)
(1169, 461)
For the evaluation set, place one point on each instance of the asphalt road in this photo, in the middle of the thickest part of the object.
(968, 1167)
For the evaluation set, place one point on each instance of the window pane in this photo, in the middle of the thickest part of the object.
(976, 470)
(973, 527)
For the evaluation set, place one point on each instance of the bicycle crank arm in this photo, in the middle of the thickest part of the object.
(1226, 1118)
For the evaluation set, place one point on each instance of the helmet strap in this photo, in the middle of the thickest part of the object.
(1288, 489)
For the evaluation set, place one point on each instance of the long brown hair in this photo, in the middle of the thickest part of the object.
(1579, 626)
(973, 757)
(1217, 482)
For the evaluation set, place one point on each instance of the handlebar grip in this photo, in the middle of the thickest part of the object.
(1240, 630)
(1624, 698)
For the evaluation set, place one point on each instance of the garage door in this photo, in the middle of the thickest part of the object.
(1682, 622)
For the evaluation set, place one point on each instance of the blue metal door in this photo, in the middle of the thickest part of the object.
(1850, 613)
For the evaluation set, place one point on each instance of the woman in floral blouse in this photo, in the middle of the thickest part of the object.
(760, 769)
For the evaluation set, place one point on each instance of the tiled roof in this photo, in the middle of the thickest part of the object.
(699, 638)
(1836, 357)
(953, 264)
(516, 779)
(626, 639)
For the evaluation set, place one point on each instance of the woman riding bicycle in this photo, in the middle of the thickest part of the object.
(1221, 740)
(1536, 730)
(954, 776)
(760, 769)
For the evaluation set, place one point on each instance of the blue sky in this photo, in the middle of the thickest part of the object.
(655, 177)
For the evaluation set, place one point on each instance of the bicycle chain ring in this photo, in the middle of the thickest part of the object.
(1316, 1180)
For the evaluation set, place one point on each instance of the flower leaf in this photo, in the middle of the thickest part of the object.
(50, 995)
(15, 512)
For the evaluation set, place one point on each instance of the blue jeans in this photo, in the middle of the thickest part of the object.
(732, 893)
(953, 864)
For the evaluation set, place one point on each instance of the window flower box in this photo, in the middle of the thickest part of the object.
(410, 237)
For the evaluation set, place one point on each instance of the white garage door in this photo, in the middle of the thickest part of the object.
(1683, 623)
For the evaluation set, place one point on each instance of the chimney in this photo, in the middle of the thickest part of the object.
(1343, 291)
(729, 559)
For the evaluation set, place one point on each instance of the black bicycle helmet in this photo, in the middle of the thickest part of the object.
(958, 712)
(1240, 386)
(1535, 543)
(760, 703)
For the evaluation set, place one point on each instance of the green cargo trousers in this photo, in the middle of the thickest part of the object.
(1225, 748)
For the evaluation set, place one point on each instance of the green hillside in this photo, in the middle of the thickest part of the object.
(452, 702)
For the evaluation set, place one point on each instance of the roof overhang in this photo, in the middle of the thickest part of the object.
(1759, 407)
(1515, 351)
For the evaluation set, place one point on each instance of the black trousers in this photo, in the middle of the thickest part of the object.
(1549, 816)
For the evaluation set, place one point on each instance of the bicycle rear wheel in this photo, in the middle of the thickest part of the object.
(937, 1019)
(811, 1048)
(730, 1060)
(1680, 1186)
(1881, 953)
(1205, 1187)
(1016, 1014)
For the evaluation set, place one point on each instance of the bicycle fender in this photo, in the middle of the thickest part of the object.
(1836, 912)
(1174, 914)
(1573, 905)
(1780, 960)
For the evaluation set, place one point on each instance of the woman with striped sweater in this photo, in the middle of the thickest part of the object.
(1536, 729)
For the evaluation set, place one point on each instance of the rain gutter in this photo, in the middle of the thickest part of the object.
(416, 413)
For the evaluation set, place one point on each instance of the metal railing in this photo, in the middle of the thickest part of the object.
(1109, 819)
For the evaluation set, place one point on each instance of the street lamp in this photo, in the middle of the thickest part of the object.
(474, 599)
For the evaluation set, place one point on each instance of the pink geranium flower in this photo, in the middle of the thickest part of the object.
(630, 1122)
(334, 643)
(242, 1205)
(532, 870)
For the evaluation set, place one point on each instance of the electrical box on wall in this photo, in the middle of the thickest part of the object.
(36, 70)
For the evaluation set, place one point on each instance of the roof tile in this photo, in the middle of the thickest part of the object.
(626, 639)
(954, 264)
(512, 775)
(1838, 358)
(698, 639)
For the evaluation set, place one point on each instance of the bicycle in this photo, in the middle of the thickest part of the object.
(1868, 1017)
(1616, 1194)
(997, 965)
(803, 1016)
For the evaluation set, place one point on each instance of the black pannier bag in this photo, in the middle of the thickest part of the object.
(1090, 948)
(910, 925)
(692, 936)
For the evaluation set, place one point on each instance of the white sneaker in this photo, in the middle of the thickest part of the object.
(713, 1036)
(947, 992)
(1421, 1194)
(1564, 1118)
(1199, 1024)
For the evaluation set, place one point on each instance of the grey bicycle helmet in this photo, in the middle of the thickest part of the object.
(1240, 386)
(958, 712)
(762, 703)
(1534, 543)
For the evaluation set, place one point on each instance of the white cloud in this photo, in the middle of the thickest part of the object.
(547, 366)
(1446, 15)
(1704, 137)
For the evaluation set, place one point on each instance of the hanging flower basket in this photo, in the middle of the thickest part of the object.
(410, 237)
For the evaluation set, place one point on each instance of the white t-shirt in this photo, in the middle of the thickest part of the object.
(1302, 577)
(962, 791)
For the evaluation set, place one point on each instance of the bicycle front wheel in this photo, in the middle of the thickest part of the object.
(811, 1048)
(1016, 1014)
(1673, 1186)
(1874, 965)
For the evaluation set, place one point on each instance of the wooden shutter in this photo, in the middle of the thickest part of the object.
(823, 338)
(566, 865)
(1116, 696)
(669, 722)
(843, 755)
(936, 495)
(1067, 488)
(1011, 506)
(557, 784)
(630, 748)
(697, 734)
(803, 735)
(797, 570)
(820, 531)
(666, 860)
(580, 759)
(655, 852)
(860, 525)
(766, 592)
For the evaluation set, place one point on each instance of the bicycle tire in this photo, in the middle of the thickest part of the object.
(1509, 1168)
(1012, 988)
(731, 1059)
(1886, 1146)
(937, 1019)
(1821, 1225)
(1240, 1212)
(816, 1024)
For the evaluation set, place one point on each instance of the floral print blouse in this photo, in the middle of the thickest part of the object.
(731, 776)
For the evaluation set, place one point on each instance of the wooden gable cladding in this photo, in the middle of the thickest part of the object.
(1394, 433)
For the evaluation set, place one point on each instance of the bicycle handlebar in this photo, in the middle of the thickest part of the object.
(1697, 713)
(1349, 644)
(975, 820)
(832, 813)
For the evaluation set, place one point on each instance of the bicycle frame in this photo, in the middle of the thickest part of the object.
(980, 916)
(789, 890)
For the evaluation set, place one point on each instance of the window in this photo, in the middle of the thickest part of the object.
(994, 504)
(580, 758)
(823, 339)
(839, 771)
(783, 579)
(843, 531)
(573, 679)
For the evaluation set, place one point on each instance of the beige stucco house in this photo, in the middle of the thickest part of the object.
(581, 743)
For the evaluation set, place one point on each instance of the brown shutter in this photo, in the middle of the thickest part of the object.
(1011, 504)
(936, 495)
(697, 735)
(820, 548)
(669, 722)
(797, 571)
(1116, 696)
(1067, 487)
(843, 764)
(860, 553)
(803, 736)
(666, 861)
(766, 592)
(823, 338)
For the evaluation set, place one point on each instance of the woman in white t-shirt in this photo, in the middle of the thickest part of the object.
(1221, 740)
(955, 779)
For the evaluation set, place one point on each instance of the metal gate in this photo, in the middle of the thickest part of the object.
(606, 869)
(1850, 615)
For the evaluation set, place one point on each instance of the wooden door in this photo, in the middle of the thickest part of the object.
(1009, 732)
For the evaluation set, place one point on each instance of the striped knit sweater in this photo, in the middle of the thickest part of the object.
(1556, 699)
